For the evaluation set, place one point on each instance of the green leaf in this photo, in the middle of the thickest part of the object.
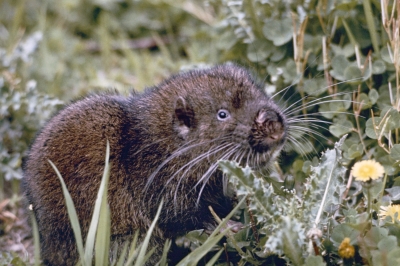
(387, 244)
(329, 172)
(370, 130)
(290, 72)
(122, 255)
(259, 50)
(355, 151)
(390, 258)
(315, 86)
(391, 121)
(374, 191)
(353, 73)
(164, 257)
(36, 240)
(142, 256)
(194, 257)
(278, 53)
(373, 96)
(279, 31)
(343, 230)
(73, 217)
(394, 256)
(395, 152)
(346, 5)
(394, 193)
(373, 236)
(378, 67)
(103, 233)
(314, 261)
(291, 243)
(340, 127)
(386, 54)
(214, 259)
(364, 99)
(197, 236)
(339, 65)
(100, 205)
(346, 51)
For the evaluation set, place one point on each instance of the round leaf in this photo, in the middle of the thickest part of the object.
(353, 74)
(343, 230)
(387, 244)
(340, 128)
(339, 64)
(315, 86)
(373, 96)
(395, 152)
(278, 31)
(378, 67)
(259, 50)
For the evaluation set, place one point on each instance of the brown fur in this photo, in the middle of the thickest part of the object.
(153, 136)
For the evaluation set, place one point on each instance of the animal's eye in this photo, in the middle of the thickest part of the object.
(223, 114)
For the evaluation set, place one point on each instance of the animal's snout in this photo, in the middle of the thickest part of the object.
(268, 130)
(271, 124)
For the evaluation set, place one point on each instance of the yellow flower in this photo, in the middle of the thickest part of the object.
(390, 210)
(367, 170)
(346, 250)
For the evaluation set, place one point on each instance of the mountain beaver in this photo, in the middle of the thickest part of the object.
(164, 143)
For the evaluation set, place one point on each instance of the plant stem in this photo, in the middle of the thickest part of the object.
(371, 26)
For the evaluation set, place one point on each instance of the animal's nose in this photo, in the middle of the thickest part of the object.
(268, 130)
(271, 123)
(266, 115)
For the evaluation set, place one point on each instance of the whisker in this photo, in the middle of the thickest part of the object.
(315, 102)
(319, 114)
(308, 130)
(190, 164)
(209, 172)
(175, 154)
(295, 144)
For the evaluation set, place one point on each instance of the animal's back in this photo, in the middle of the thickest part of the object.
(79, 131)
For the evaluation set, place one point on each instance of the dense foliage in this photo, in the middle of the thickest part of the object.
(333, 64)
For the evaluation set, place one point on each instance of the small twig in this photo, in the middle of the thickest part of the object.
(357, 107)
(376, 127)
(227, 255)
(315, 246)
(252, 222)
(349, 182)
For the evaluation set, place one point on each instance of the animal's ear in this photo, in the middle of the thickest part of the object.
(184, 115)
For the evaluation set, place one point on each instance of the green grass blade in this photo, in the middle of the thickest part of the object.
(73, 217)
(142, 253)
(148, 255)
(194, 257)
(102, 246)
(133, 250)
(121, 258)
(167, 246)
(36, 241)
(101, 196)
(214, 258)
(349, 33)
(371, 26)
